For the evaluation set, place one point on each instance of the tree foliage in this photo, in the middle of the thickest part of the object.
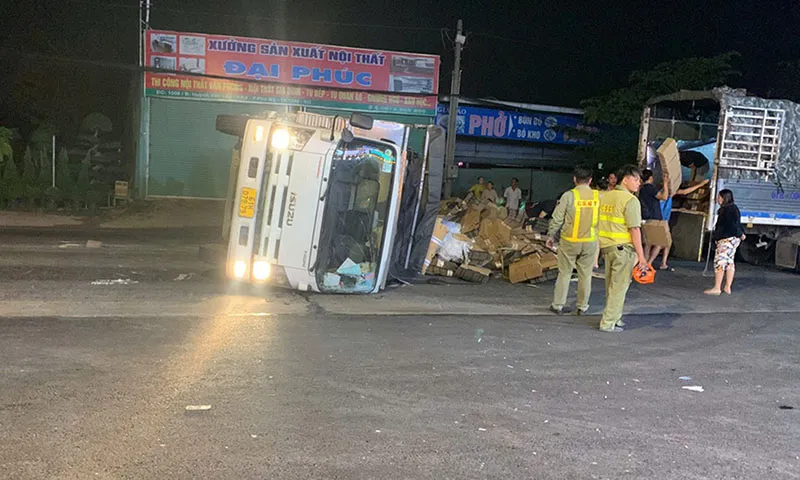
(623, 106)
(619, 112)
(64, 180)
(6, 149)
(28, 167)
(787, 84)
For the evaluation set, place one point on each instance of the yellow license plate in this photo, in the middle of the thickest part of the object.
(247, 203)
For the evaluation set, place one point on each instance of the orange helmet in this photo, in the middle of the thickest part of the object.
(644, 274)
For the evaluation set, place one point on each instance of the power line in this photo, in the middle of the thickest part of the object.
(207, 13)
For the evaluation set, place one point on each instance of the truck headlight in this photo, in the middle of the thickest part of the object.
(280, 139)
(261, 270)
(239, 269)
(259, 133)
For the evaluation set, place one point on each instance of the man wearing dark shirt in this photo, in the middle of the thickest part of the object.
(649, 196)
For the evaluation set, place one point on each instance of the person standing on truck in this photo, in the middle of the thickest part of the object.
(620, 237)
(576, 216)
(728, 234)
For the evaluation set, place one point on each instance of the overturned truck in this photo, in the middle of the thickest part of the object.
(326, 204)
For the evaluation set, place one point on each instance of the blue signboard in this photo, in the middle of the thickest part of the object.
(529, 127)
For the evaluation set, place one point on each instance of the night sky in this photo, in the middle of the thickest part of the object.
(555, 53)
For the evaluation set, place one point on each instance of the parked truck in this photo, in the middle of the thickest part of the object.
(751, 146)
(325, 204)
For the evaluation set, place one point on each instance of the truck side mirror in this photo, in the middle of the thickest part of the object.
(347, 135)
(362, 121)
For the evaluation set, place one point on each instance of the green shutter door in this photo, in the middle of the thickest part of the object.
(188, 156)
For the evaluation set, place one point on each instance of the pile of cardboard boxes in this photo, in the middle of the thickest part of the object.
(488, 243)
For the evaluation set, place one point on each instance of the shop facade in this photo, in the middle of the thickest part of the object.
(190, 78)
(537, 144)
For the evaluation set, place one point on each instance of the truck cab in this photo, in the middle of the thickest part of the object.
(314, 200)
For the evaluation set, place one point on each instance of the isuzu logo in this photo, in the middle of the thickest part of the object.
(290, 209)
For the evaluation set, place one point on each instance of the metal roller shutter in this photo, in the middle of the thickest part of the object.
(188, 156)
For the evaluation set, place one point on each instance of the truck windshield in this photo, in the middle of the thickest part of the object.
(358, 201)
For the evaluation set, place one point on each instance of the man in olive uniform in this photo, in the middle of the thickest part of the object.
(620, 235)
(576, 216)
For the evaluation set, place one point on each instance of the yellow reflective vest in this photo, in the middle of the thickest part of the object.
(612, 227)
(583, 228)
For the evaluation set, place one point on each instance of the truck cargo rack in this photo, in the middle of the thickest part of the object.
(751, 138)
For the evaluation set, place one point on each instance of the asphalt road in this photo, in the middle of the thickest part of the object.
(393, 397)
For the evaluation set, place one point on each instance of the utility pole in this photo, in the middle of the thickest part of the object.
(451, 170)
(144, 25)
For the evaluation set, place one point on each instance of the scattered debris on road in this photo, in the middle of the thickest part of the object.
(198, 408)
(119, 281)
(477, 241)
(684, 378)
(184, 276)
(694, 388)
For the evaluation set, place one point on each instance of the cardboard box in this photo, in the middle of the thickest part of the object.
(463, 238)
(548, 276)
(485, 245)
(496, 231)
(518, 243)
(657, 233)
(548, 260)
(530, 248)
(473, 274)
(479, 258)
(440, 271)
(670, 160)
(493, 211)
(439, 232)
(526, 269)
(515, 221)
(442, 263)
(121, 189)
(471, 221)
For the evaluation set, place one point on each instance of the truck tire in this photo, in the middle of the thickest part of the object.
(754, 255)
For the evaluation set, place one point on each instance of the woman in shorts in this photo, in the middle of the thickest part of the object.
(728, 234)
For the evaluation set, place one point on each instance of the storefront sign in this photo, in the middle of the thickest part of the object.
(214, 67)
(529, 127)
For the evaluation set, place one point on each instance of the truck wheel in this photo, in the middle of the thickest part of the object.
(754, 255)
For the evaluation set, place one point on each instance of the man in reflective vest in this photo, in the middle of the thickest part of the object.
(576, 216)
(620, 236)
